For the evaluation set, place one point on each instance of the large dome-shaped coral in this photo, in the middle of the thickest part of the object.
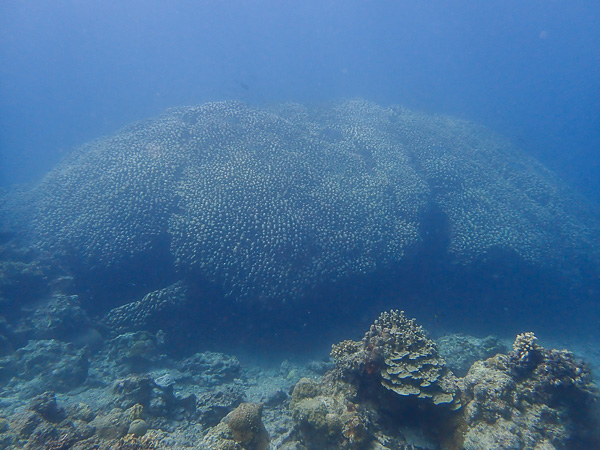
(271, 202)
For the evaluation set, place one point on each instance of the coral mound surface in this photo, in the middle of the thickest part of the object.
(268, 203)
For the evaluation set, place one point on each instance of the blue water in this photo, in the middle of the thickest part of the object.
(76, 70)
(72, 71)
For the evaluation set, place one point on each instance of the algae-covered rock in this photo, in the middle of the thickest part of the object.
(112, 425)
(461, 351)
(57, 317)
(325, 416)
(241, 429)
(216, 403)
(136, 352)
(138, 427)
(211, 368)
(305, 388)
(531, 398)
(44, 365)
(45, 405)
(44, 424)
(147, 312)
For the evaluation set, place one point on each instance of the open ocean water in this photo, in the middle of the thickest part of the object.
(299, 225)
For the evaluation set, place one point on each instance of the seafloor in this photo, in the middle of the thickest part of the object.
(62, 391)
(230, 277)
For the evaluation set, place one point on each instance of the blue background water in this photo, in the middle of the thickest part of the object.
(75, 70)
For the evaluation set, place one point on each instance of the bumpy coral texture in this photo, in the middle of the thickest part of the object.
(326, 416)
(377, 386)
(407, 360)
(267, 203)
(461, 351)
(531, 398)
(143, 313)
(241, 429)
